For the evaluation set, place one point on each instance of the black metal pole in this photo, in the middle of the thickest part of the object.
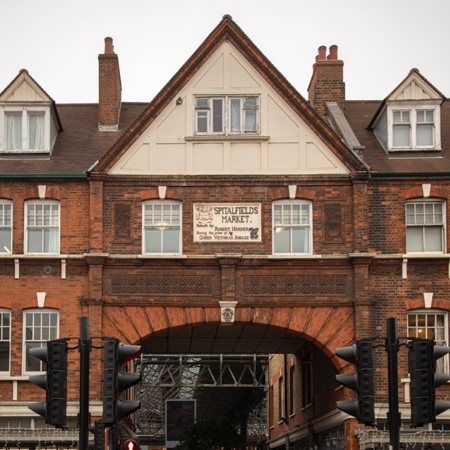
(393, 415)
(84, 348)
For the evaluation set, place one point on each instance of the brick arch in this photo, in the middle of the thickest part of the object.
(326, 327)
(417, 192)
(153, 194)
(6, 193)
(420, 304)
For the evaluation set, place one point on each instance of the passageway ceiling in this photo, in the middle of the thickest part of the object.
(238, 339)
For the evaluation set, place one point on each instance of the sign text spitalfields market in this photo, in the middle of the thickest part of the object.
(227, 222)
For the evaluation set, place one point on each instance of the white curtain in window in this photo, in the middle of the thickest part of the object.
(51, 240)
(36, 132)
(235, 115)
(13, 132)
(250, 120)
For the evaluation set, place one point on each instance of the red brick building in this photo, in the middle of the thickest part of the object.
(228, 215)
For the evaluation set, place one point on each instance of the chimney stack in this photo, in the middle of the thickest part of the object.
(327, 81)
(109, 89)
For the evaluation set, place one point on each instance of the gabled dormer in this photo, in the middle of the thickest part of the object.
(409, 119)
(29, 122)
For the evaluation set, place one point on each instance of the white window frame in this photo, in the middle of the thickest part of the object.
(422, 331)
(40, 335)
(5, 336)
(42, 227)
(281, 227)
(413, 108)
(6, 220)
(25, 112)
(227, 114)
(160, 225)
(409, 224)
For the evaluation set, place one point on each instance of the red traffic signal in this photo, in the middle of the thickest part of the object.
(129, 444)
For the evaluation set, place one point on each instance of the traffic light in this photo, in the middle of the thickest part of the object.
(129, 444)
(115, 381)
(361, 355)
(98, 429)
(54, 382)
(423, 354)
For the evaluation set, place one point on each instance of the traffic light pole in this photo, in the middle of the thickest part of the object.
(392, 347)
(84, 348)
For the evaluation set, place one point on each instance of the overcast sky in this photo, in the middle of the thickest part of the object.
(58, 41)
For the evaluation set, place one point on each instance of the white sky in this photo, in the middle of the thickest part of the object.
(58, 41)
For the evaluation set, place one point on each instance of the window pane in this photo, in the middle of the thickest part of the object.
(5, 240)
(401, 136)
(171, 240)
(51, 241)
(217, 115)
(277, 211)
(425, 135)
(13, 132)
(202, 102)
(287, 214)
(53, 319)
(250, 120)
(34, 241)
(202, 121)
(300, 240)
(4, 356)
(414, 238)
(32, 364)
(433, 239)
(281, 240)
(250, 102)
(36, 132)
(235, 112)
(152, 240)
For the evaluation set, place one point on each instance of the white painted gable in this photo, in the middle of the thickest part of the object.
(285, 144)
(414, 88)
(24, 89)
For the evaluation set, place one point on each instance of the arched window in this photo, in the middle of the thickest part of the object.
(6, 211)
(5, 341)
(42, 226)
(292, 227)
(430, 324)
(161, 227)
(39, 326)
(425, 223)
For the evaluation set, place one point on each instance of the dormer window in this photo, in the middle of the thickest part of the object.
(25, 130)
(227, 115)
(409, 120)
(29, 120)
(413, 128)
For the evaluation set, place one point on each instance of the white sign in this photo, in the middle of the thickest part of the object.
(227, 222)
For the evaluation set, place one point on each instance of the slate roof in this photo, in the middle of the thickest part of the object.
(78, 146)
(359, 115)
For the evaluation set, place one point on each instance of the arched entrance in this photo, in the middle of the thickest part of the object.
(257, 365)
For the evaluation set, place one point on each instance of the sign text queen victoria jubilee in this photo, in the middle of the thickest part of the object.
(227, 222)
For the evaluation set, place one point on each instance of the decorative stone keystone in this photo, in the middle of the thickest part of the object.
(227, 312)
(41, 298)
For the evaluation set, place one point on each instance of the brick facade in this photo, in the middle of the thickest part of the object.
(356, 276)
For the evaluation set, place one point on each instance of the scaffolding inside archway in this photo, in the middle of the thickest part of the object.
(228, 385)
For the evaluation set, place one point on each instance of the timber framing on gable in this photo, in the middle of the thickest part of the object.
(229, 30)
